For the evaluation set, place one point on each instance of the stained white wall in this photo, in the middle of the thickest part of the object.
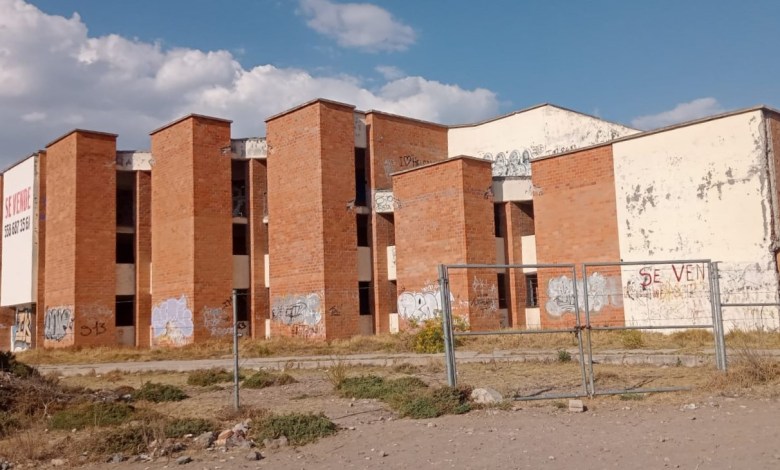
(512, 141)
(698, 191)
(20, 234)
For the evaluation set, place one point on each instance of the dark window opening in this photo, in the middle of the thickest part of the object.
(238, 188)
(501, 283)
(364, 298)
(363, 230)
(242, 304)
(361, 182)
(531, 290)
(240, 239)
(125, 199)
(499, 219)
(125, 248)
(125, 310)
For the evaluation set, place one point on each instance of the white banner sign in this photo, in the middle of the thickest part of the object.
(17, 280)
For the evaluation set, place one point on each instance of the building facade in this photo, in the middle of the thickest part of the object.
(334, 224)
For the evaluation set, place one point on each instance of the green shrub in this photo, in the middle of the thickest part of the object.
(374, 387)
(130, 440)
(430, 338)
(157, 393)
(299, 428)
(208, 377)
(183, 426)
(564, 356)
(432, 403)
(263, 378)
(632, 396)
(92, 414)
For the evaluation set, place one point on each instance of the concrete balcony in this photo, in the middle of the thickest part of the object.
(529, 252)
(391, 275)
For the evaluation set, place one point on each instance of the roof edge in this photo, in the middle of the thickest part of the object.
(190, 116)
(83, 131)
(309, 103)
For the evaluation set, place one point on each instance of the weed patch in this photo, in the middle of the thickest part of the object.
(299, 428)
(158, 393)
(183, 426)
(632, 339)
(633, 396)
(263, 379)
(564, 356)
(92, 414)
(208, 377)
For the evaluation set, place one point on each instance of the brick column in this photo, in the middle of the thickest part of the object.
(312, 229)
(258, 246)
(80, 246)
(192, 265)
(143, 258)
(519, 223)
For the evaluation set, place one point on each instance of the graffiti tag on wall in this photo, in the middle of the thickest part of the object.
(602, 292)
(58, 323)
(485, 297)
(510, 163)
(22, 330)
(384, 200)
(216, 320)
(422, 305)
(303, 313)
(172, 323)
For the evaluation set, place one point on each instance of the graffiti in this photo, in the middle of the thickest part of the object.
(95, 319)
(334, 311)
(485, 299)
(132, 161)
(172, 323)
(22, 330)
(216, 321)
(384, 200)
(410, 161)
(563, 149)
(256, 147)
(58, 323)
(602, 292)
(516, 163)
(298, 309)
(422, 305)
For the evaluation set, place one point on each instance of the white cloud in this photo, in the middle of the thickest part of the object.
(389, 72)
(695, 109)
(358, 25)
(53, 77)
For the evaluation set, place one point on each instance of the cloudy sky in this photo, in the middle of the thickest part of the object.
(128, 67)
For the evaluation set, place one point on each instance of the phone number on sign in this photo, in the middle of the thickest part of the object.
(16, 226)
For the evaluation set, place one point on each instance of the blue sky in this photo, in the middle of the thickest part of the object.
(127, 67)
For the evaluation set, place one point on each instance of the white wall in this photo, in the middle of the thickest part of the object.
(20, 233)
(512, 141)
(699, 191)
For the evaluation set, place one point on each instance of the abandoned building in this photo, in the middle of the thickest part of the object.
(334, 224)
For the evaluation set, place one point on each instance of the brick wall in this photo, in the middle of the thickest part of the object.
(312, 228)
(576, 222)
(191, 223)
(143, 258)
(80, 246)
(257, 195)
(444, 215)
(394, 144)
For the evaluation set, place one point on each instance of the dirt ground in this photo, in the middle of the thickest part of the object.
(701, 429)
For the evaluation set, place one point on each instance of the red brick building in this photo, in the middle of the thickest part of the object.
(331, 226)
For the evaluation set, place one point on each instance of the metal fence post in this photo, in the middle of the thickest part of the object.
(236, 403)
(720, 340)
(592, 390)
(446, 317)
(578, 323)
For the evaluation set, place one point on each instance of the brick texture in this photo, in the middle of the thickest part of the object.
(257, 201)
(80, 245)
(312, 227)
(444, 214)
(576, 222)
(143, 258)
(191, 222)
(394, 144)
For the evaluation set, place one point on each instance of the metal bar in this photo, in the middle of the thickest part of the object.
(236, 402)
(720, 336)
(507, 266)
(449, 344)
(577, 322)
(513, 332)
(650, 327)
(757, 304)
(713, 295)
(644, 263)
(643, 390)
(552, 396)
(588, 327)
